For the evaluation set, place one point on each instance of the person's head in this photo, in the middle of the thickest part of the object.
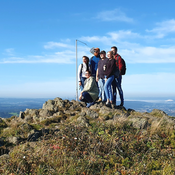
(110, 55)
(114, 50)
(88, 73)
(85, 59)
(96, 51)
(102, 54)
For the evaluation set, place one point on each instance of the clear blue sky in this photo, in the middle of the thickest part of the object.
(37, 50)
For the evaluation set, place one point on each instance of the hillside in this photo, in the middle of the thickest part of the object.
(65, 137)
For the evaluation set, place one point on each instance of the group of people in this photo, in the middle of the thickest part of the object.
(100, 78)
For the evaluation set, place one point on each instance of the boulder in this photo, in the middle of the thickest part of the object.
(138, 122)
(83, 121)
(13, 139)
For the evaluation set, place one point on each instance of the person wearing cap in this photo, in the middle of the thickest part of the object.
(100, 76)
(94, 61)
(117, 81)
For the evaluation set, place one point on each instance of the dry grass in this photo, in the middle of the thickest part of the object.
(98, 149)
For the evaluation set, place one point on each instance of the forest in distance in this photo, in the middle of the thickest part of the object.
(12, 106)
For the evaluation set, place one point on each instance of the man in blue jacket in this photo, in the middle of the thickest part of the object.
(94, 61)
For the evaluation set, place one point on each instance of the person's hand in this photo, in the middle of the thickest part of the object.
(79, 83)
(96, 79)
(80, 97)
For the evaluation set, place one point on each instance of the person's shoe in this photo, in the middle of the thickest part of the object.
(99, 100)
(108, 104)
(121, 104)
(90, 104)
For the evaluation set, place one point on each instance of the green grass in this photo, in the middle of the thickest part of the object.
(98, 149)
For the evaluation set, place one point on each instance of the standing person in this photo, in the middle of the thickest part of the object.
(90, 91)
(82, 70)
(109, 77)
(117, 82)
(100, 76)
(94, 61)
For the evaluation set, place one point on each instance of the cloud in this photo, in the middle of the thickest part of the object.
(65, 57)
(114, 15)
(132, 47)
(163, 28)
(52, 45)
(9, 51)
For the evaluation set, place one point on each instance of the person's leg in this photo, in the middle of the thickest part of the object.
(118, 84)
(82, 83)
(100, 85)
(87, 98)
(114, 91)
(103, 91)
(108, 89)
(110, 80)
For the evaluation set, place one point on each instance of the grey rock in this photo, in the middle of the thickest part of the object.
(26, 127)
(83, 121)
(13, 139)
(59, 102)
(140, 123)
(45, 112)
(92, 114)
(21, 115)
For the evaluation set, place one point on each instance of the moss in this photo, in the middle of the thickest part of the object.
(56, 119)
(36, 126)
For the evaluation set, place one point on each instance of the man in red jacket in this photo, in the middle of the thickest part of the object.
(117, 81)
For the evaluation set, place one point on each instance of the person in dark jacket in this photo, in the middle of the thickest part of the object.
(117, 81)
(109, 77)
(100, 76)
(94, 61)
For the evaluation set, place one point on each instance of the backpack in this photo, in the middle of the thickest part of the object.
(123, 69)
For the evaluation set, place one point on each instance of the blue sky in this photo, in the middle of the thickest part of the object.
(37, 50)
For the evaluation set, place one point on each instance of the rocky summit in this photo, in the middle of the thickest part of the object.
(58, 117)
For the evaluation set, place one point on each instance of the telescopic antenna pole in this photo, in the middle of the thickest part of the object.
(76, 74)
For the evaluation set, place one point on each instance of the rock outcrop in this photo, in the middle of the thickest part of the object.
(57, 111)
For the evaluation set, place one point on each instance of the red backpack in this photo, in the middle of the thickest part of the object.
(123, 69)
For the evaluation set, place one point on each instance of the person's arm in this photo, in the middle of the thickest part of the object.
(79, 74)
(97, 75)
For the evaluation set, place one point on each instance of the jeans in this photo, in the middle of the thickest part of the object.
(82, 82)
(108, 89)
(86, 97)
(117, 84)
(101, 83)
